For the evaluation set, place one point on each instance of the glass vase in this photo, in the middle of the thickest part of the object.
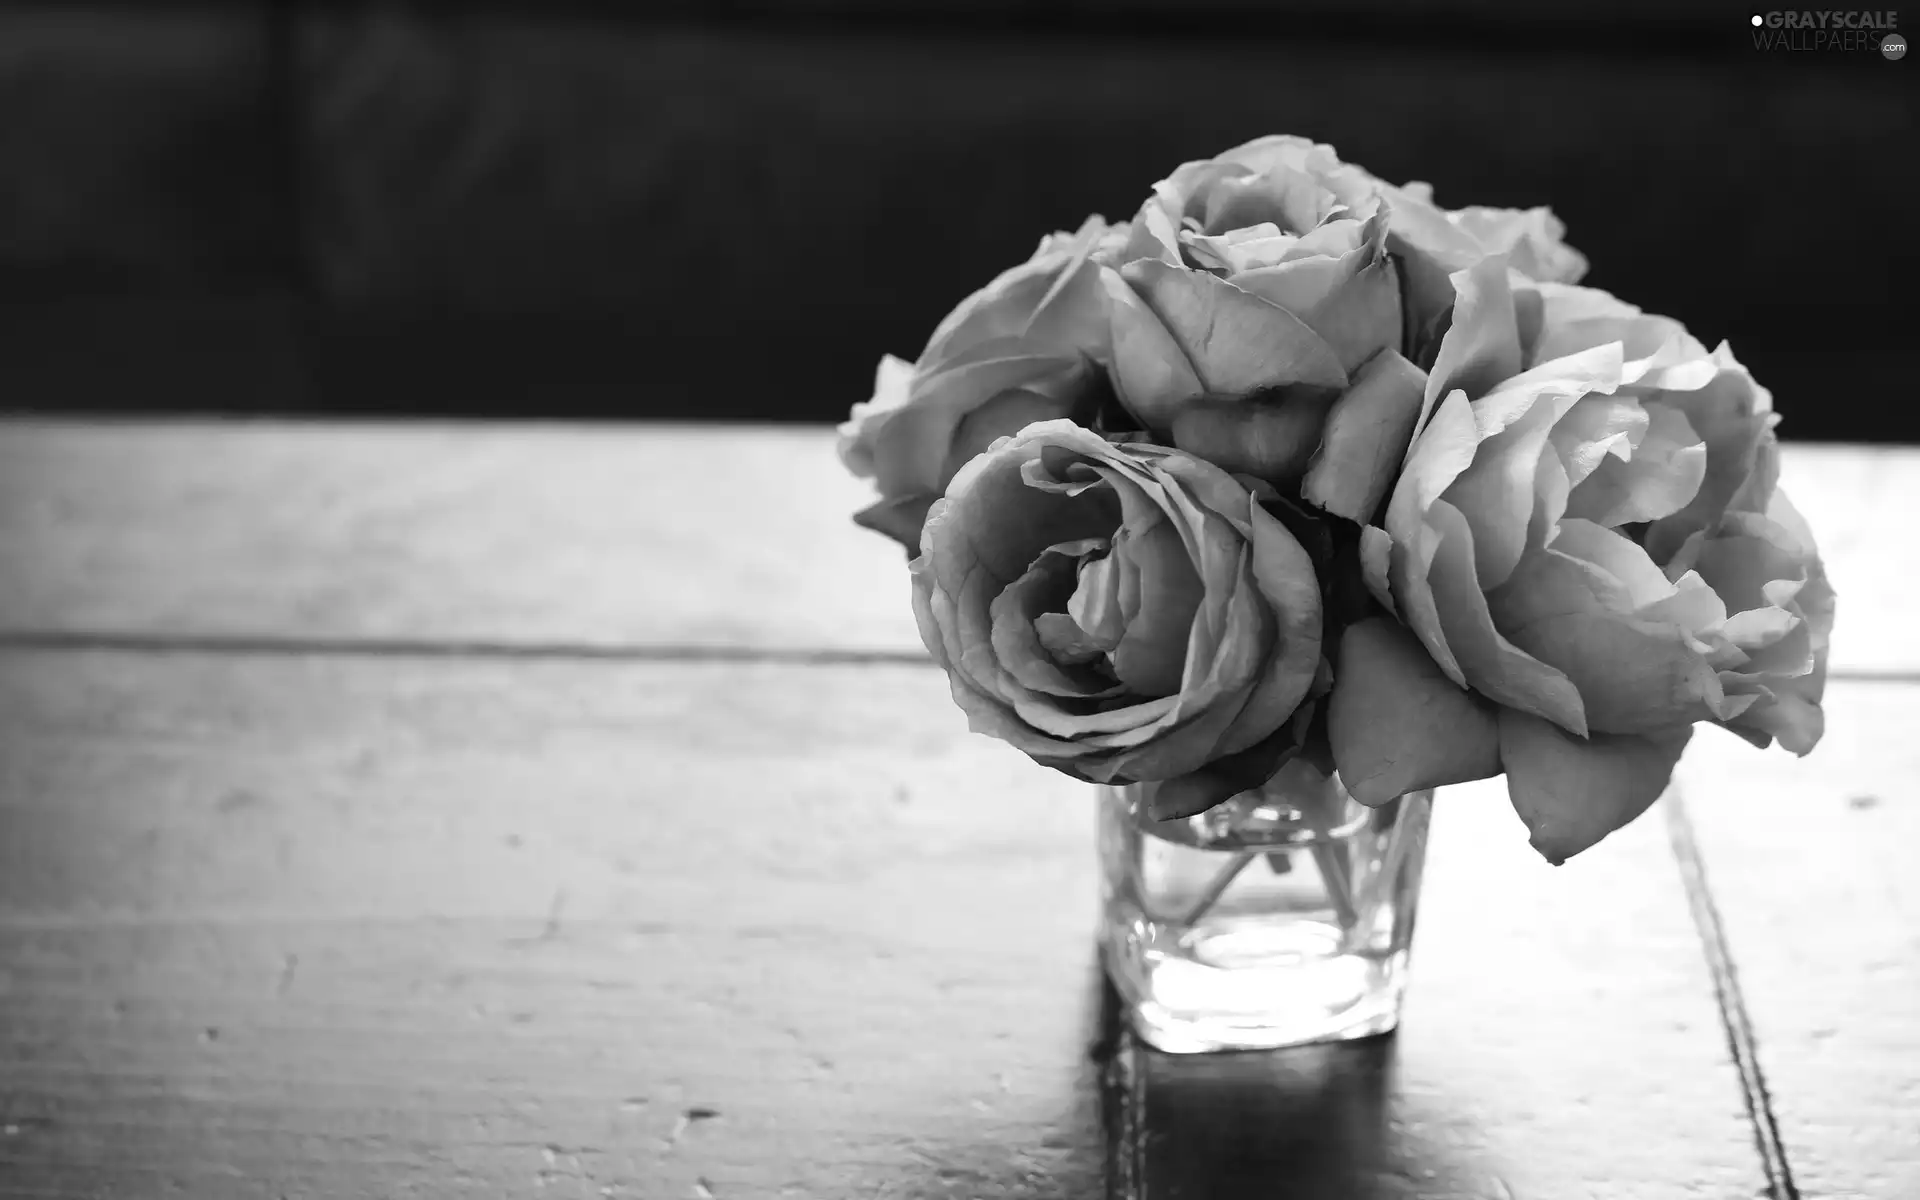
(1281, 917)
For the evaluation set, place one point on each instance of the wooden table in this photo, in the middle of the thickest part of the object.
(396, 811)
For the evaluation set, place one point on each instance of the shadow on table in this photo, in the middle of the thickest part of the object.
(1315, 1121)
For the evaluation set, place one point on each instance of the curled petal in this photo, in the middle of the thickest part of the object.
(1431, 247)
(1734, 418)
(1657, 478)
(1573, 791)
(1250, 248)
(1595, 429)
(1492, 665)
(892, 382)
(1020, 645)
(1151, 655)
(1497, 493)
(1376, 565)
(1482, 347)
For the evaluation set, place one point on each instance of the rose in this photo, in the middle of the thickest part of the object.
(1024, 348)
(1124, 613)
(1590, 555)
(1255, 284)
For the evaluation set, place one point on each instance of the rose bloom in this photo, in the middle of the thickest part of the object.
(1123, 613)
(1253, 286)
(1027, 347)
(1590, 554)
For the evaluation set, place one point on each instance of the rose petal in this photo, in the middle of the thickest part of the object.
(1019, 644)
(1397, 724)
(1006, 414)
(1441, 450)
(1150, 656)
(995, 524)
(892, 383)
(1255, 246)
(1597, 427)
(1531, 238)
(1152, 375)
(1571, 791)
(1661, 476)
(1268, 439)
(910, 450)
(900, 518)
(1220, 780)
(1237, 343)
(1733, 416)
(1071, 312)
(1572, 319)
(1365, 438)
(1376, 562)
(1482, 347)
(1498, 491)
(1362, 316)
(1191, 732)
(1492, 665)
(935, 613)
(1279, 193)
(1297, 286)
(1285, 577)
(1064, 642)
(1430, 248)
(1633, 676)
(1095, 605)
(1264, 658)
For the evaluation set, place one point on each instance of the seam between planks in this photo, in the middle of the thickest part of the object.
(533, 649)
(384, 647)
(1126, 1091)
(1732, 1003)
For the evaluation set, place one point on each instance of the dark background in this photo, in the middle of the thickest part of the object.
(729, 210)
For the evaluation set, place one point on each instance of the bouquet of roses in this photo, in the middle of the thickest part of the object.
(1299, 466)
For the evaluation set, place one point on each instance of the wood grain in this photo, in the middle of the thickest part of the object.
(591, 536)
(354, 929)
(327, 926)
(580, 534)
(1811, 867)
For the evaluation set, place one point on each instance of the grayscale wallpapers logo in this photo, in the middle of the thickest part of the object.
(1822, 29)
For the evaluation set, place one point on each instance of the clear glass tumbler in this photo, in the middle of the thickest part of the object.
(1281, 917)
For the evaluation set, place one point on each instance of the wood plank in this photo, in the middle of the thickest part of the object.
(1811, 865)
(603, 536)
(377, 925)
(1860, 501)
(377, 929)
(577, 534)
